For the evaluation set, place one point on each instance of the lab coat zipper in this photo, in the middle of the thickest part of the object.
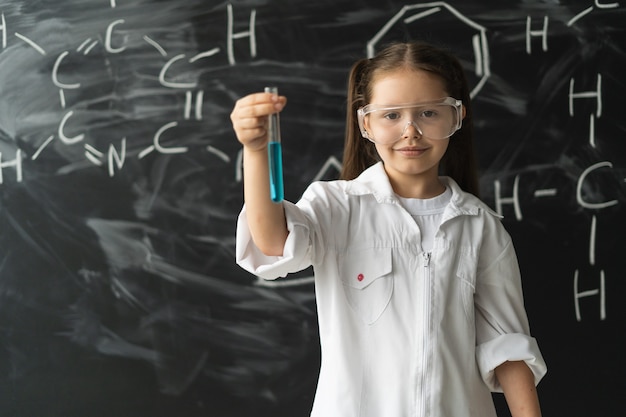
(425, 331)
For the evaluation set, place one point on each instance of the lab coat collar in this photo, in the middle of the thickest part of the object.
(374, 181)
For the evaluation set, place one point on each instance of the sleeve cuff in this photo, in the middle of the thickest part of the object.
(295, 254)
(509, 347)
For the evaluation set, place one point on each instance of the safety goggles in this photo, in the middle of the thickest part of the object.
(387, 124)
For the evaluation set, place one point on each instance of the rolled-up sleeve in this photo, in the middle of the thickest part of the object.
(296, 254)
(509, 347)
(502, 328)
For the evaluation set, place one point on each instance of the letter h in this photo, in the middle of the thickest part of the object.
(17, 163)
(543, 33)
(250, 33)
(589, 293)
(508, 200)
(586, 94)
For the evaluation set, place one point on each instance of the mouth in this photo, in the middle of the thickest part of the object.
(411, 150)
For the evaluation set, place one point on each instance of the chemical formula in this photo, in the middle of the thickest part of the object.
(180, 76)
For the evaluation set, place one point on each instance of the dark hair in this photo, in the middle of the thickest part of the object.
(459, 161)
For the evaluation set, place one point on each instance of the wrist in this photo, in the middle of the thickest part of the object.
(254, 149)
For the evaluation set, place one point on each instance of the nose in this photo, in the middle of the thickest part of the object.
(411, 130)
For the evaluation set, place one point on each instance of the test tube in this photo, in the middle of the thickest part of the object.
(275, 154)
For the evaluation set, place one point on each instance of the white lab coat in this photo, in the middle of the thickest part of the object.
(403, 333)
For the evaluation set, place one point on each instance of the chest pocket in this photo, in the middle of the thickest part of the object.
(367, 282)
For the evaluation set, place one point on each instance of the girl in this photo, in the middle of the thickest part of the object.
(417, 283)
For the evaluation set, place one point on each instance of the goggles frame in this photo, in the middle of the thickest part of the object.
(448, 101)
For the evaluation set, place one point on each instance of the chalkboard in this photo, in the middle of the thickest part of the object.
(121, 182)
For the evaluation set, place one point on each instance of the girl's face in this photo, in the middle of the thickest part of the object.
(411, 163)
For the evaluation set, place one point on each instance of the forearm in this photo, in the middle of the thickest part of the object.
(518, 384)
(266, 219)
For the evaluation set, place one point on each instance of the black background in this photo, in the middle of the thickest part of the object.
(119, 294)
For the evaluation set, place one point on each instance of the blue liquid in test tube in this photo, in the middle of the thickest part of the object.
(275, 154)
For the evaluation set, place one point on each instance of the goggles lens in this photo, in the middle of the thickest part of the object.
(388, 124)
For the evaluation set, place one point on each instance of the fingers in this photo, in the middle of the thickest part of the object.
(249, 117)
(260, 104)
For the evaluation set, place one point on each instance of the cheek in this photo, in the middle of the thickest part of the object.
(382, 151)
(442, 148)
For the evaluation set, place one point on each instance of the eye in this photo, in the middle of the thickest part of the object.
(392, 116)
(428, 114)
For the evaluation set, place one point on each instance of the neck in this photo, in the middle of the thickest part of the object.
(418, 188)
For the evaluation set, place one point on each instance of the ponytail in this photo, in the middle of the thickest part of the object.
(358, 153)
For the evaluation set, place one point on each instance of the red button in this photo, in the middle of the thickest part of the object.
(360, 277)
